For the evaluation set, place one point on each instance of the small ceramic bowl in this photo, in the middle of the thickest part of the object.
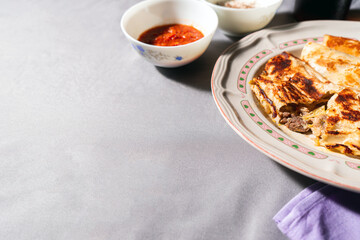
(151, 13)
(237, 22)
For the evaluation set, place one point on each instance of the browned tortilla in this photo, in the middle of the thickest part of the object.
(339, 130)
(338, 67)
(288, 83)
(346, 45)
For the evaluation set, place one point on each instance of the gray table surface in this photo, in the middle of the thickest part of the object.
(96, 143)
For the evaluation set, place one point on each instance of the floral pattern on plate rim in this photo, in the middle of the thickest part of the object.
(300, 41)
(242, 79)
(248, 109)
(353, 165)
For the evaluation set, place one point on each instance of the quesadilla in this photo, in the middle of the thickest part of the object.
(318, 94)
(289, 88)
(346, 45)
(338, 127)
(337, 67)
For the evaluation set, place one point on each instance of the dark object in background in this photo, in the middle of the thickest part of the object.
(321, 9)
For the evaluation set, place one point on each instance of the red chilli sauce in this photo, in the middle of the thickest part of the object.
(171, 35)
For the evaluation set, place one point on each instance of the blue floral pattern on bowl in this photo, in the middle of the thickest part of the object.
(155, 55)
(140, 49)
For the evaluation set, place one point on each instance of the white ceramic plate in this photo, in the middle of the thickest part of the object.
(230, 87)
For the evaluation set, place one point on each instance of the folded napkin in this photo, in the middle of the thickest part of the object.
(321, 212)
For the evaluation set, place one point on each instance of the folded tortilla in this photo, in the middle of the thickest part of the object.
(288, 84)
(338, 127)
(337, 67)
(346, 45)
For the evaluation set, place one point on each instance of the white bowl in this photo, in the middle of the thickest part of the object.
(233, 21)
(151, 13)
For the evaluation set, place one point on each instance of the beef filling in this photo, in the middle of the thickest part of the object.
(297, 124)
(294, 121)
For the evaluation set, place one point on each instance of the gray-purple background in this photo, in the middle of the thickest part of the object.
(96, 143)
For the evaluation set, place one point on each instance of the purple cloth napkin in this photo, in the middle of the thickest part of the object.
(321, 212)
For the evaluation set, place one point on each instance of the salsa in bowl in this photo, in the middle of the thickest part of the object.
(155, 14)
